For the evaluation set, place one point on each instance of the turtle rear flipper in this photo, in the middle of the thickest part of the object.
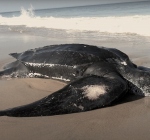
(1, 73)
(14, 69)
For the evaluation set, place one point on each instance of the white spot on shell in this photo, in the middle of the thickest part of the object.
(124, 63)
(81, 107)
(92, 92)
(41, 64)
(61, 78)
(37, 74)
(75, 105)
(47, 65)
(74, 66)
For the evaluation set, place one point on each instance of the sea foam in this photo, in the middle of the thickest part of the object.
(137, 24)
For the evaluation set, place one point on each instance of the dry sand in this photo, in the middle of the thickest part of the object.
(127, 120)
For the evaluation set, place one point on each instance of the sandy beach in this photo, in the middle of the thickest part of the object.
(127, 120)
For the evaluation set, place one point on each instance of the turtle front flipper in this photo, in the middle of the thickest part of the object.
(88, 93)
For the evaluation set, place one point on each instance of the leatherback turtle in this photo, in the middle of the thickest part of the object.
(96, 77)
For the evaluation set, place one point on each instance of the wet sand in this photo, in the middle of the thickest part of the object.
(128, 120)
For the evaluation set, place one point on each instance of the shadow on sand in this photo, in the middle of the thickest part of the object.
(127, 98)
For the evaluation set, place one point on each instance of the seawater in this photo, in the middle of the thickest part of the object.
(122, 20)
